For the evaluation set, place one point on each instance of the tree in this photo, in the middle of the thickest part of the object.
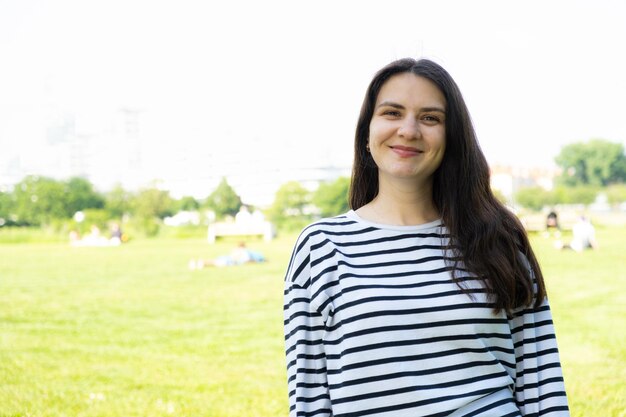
(187, 203)
(288, 212)
(148, 207)
(332, 198)
(224, 200)
(80, 195)
(153, 203)
(38, 200)
(7, 208)
(118, 201)
(597, 162)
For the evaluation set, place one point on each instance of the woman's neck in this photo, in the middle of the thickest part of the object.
(401, 203)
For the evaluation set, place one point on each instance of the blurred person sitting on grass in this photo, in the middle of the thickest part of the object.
(552, 225)
(583, 236)
(239, 256)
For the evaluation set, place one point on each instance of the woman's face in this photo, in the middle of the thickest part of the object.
(407, 130)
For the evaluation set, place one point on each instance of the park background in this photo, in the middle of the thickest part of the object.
(133, 112)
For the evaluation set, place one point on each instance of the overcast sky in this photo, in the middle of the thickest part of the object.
(275, 82)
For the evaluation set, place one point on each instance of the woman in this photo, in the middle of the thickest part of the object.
(426, 298)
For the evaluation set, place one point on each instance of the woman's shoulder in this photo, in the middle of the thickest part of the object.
(309, 241)
(334, 223)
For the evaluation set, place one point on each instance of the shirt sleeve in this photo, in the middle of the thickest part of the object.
(539, 385)
(304, 329)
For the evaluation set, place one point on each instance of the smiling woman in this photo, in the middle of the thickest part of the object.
(426, 298)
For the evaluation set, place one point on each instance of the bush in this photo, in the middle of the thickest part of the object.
(583, 194)
(143, 227)
(534, 198)
(95, 217)
(616, 193)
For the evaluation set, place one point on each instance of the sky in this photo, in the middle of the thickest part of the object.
(260, 90)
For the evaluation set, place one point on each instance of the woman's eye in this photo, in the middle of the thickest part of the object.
(430, 118)
(391, 113)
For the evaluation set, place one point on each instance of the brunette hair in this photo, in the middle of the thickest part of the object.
(485, 236)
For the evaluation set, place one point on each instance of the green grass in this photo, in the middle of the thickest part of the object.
(130, 331)
(588, 300)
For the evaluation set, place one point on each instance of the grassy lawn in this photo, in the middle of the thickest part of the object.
(130, 331)
(588, 300)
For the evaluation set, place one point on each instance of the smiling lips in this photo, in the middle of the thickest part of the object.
(405, 151)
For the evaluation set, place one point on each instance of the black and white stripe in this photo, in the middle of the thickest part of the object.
(375, 326)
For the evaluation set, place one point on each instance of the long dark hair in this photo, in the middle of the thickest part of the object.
(484, 235)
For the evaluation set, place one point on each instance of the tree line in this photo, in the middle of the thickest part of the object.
(38, 201)
(587, 168)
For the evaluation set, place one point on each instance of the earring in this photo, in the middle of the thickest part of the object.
(367, 146)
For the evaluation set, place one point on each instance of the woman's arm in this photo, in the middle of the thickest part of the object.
(306, 361)
(304, 330)
(539, 386)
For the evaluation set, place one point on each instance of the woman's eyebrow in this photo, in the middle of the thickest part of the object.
(390, 104)
(437, 109)
(400, 106)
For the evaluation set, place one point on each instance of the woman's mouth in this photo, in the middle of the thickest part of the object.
(405, 151)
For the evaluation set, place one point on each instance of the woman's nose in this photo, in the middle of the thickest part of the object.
(409, 128)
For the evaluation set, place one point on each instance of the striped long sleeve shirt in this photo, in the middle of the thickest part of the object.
(375, 326)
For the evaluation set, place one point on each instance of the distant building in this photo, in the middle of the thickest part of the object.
(105, 148)
(509, 179)
(259, 189)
